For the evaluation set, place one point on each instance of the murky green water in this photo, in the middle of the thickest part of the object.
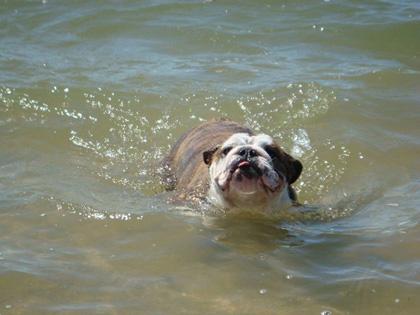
(92, 95)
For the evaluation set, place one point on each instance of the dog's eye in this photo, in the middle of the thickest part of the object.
(226, 150)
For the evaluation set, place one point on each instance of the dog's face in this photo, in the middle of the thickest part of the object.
(249, 171)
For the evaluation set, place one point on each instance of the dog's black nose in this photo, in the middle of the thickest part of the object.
(247, 153)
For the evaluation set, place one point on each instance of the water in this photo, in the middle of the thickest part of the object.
(92, 95)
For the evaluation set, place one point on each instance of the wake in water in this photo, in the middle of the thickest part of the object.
(127, 139)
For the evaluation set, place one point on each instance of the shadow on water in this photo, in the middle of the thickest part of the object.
(249, 234)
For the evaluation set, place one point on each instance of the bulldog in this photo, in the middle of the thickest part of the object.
(233, 168)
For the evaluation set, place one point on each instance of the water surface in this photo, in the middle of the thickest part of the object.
(93, 94)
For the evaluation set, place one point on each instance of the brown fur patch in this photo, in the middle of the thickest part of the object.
(185, 160)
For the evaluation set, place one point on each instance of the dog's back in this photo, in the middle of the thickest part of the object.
(185, 167)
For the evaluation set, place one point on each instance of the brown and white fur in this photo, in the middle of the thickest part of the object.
(233, 168)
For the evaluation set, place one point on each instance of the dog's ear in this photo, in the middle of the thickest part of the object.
(208, 155)
(294, 168)
(285, 163)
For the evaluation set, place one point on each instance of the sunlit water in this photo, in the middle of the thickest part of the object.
(92, 95)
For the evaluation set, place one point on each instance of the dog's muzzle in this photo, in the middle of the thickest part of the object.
(248, 168)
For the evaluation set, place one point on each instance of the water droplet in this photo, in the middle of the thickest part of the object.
(263, 291)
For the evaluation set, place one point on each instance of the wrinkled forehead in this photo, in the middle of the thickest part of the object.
(240, 139)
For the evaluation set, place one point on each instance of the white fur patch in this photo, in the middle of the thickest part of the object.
(225, 188)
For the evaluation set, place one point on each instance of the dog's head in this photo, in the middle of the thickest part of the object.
(249, 171)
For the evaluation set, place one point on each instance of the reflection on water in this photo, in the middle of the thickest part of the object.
(93, 96)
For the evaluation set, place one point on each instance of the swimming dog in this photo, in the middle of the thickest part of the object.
(233, 168)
